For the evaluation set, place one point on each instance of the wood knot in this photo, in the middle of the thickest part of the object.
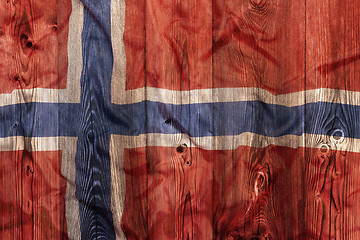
(261, 181)
(91, 136)
(15, 125)
(26, 44)
(324, 150)
(29, 170)
(259, 6)
(337, 136)
(181, 148)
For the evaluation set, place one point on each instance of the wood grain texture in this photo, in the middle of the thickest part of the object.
(249, 193)
(33, 52)
(92, 156)
(33, 41)
(233, 198)
(187, 192)
(32, 196)
(332, 49)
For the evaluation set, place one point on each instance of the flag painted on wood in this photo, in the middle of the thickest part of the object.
(149, 119)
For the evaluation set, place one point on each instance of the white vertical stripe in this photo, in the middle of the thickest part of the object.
(73, 89)
(68, 169)
(118, 81)
(118, 184)
(72, 95)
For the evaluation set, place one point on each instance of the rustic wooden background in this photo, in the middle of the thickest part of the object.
(186, 191)
(273, 192)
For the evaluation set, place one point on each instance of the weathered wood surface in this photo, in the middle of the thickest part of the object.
(93, 160)
(32, 196)
(33, 44)
(248, 193)
(33, 53)
(185, 191)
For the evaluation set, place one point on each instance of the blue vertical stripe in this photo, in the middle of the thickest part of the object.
(93, 176)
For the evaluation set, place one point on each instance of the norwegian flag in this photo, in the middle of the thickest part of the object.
(144, 119)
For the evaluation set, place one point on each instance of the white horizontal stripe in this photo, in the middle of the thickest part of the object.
(40, 95)
(30, 144)
(232, 142)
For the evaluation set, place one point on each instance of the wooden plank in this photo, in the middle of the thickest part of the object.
(171, 40)
(261, 44)
(332, 45)
(332, 57)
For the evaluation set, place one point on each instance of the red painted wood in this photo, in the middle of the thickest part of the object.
(167, 44)
(332, 44)
(32, 196)
(33, 43)
(274, 192)
(279, 46)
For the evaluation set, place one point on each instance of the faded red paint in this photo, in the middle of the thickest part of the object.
(239, 194)
(33, 43)
(175, 45)
(32, 196)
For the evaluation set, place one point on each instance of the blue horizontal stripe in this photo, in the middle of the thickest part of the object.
(196, 120)
(39, 120)
(220, 119)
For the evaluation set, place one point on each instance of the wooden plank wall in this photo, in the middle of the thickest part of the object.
(188, 192)
(248, 193)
